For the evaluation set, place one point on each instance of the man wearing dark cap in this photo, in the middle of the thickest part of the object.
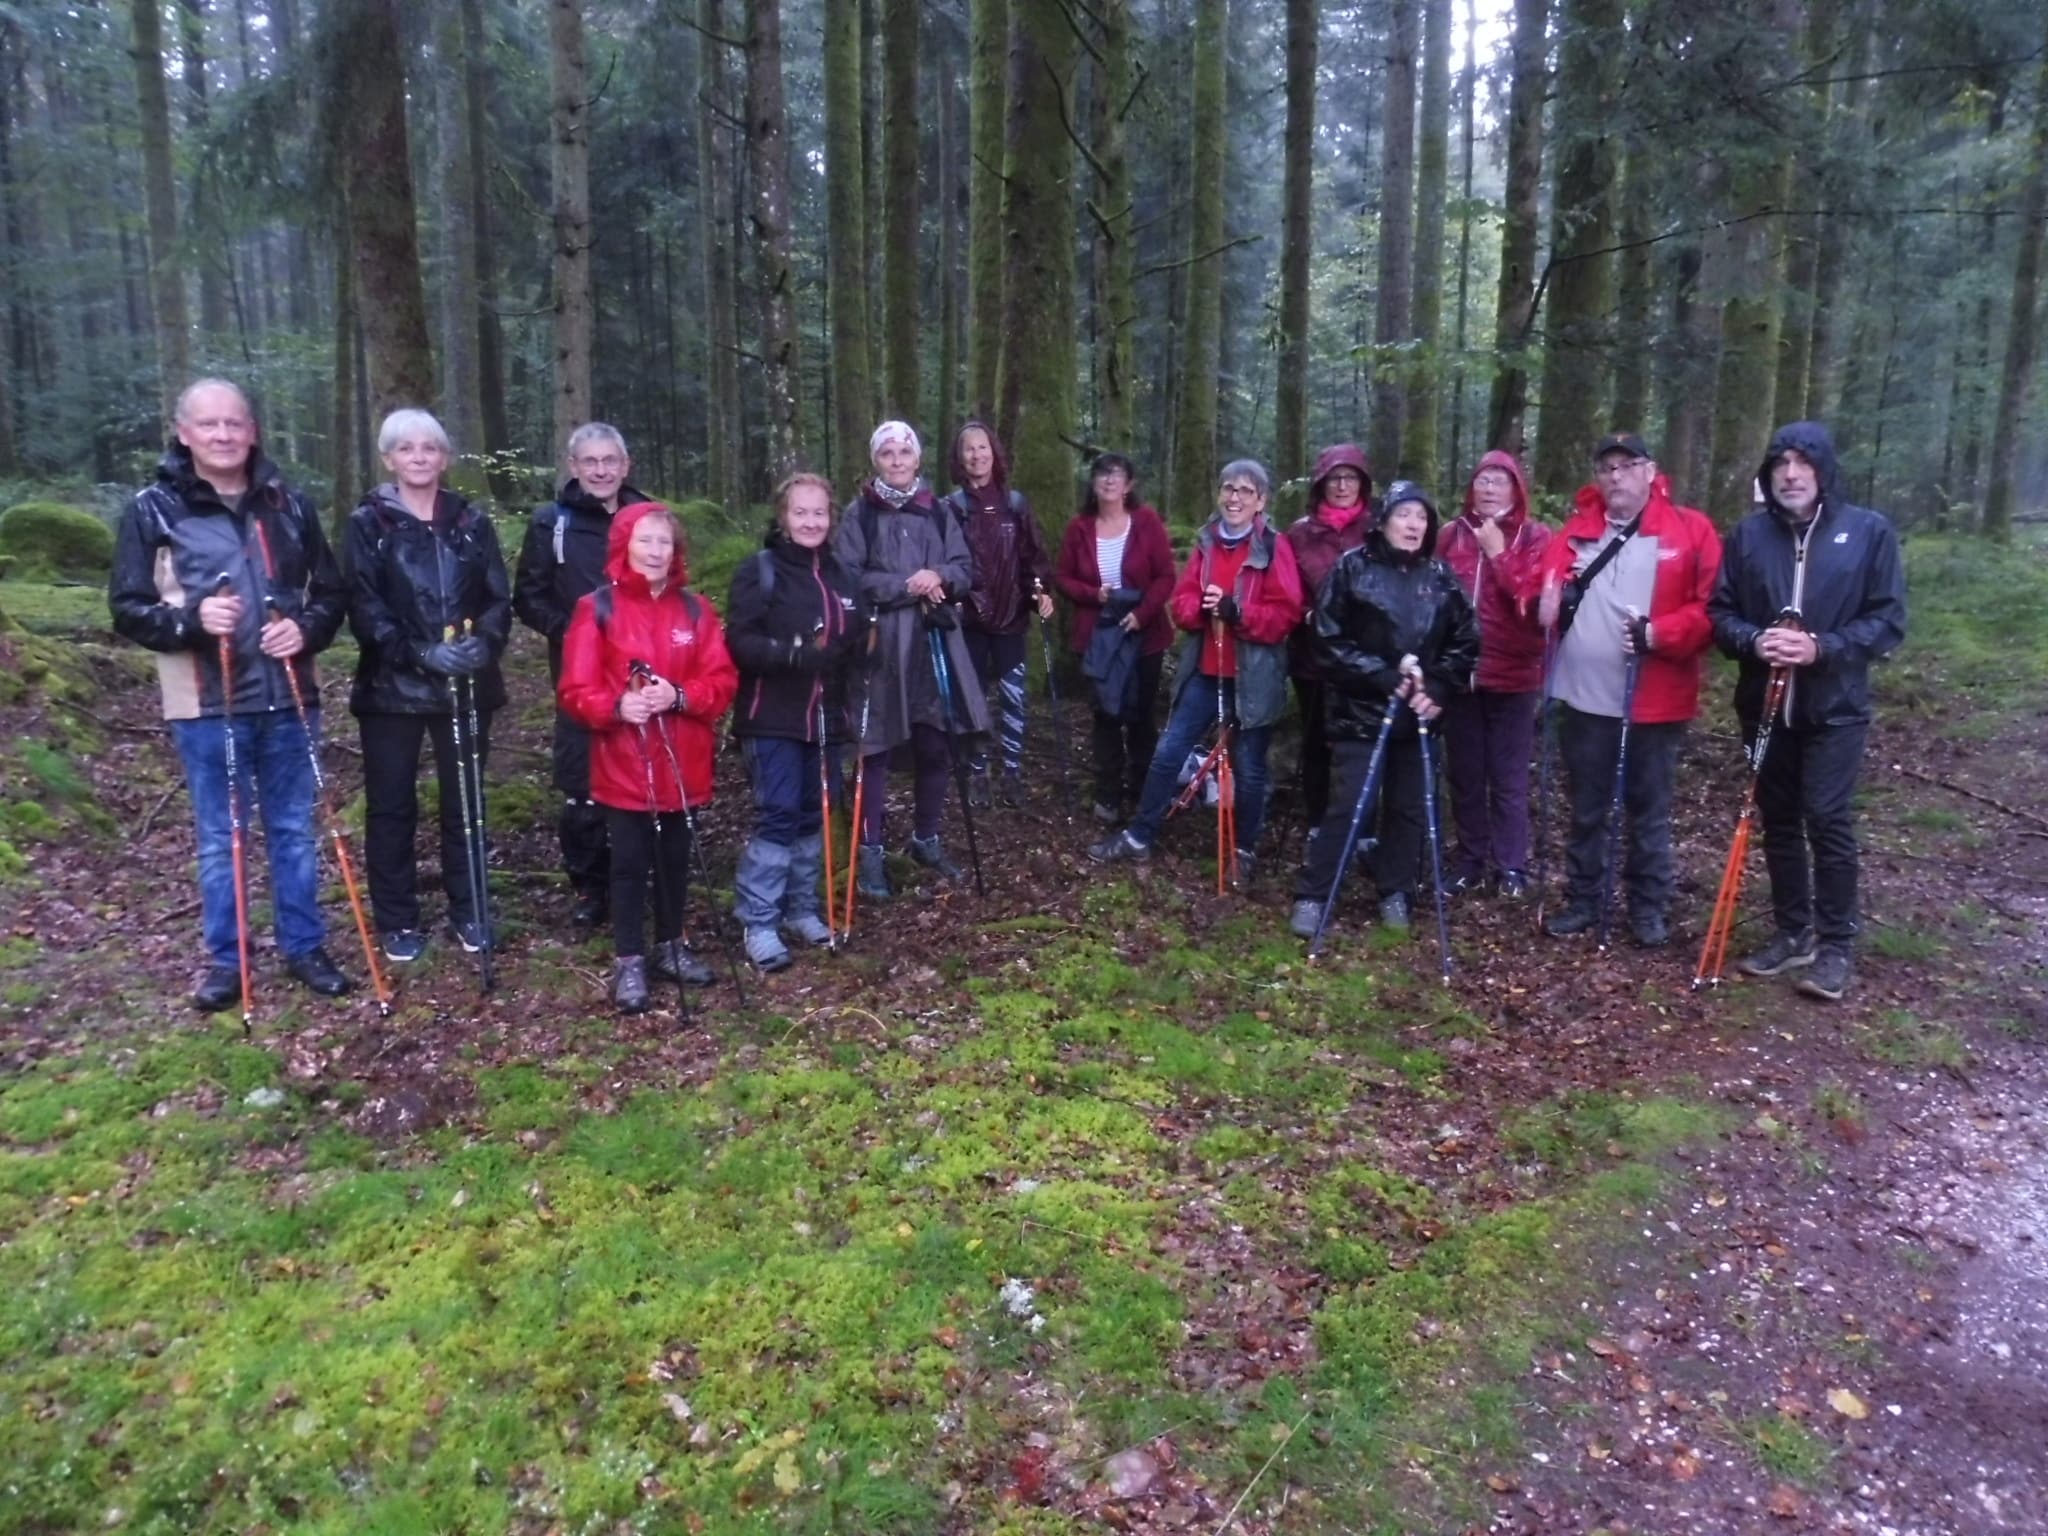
(1813, 584)
(1625, 587)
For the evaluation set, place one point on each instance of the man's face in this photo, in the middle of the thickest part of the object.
(1795, 484)
(1624, 482)
(217, 426)
(1240, 500)
(1493, 493)
(600, 467)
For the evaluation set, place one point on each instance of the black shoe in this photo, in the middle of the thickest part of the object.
(1109, 815)
(317, 973)
(1573, 918)
(218, 990)
(591, 909)
(1650, 930)
(1464, 885)
(1829, 976)
(1119, 845)
(1010, 790)
(470, 934)
(1247, 869)
(928, 852)
(1514, 885)
(1785, 952)
(402, 946)
(979, 794)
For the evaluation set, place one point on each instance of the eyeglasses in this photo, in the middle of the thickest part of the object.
(1241, 492)
(601, 461)
(1616, 467)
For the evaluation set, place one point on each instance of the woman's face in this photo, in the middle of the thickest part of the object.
(896, 462)
(1405, 525)
(417, 463)
(1240, 500)
(1493, 493)
(651, 548)
(1111, 486)
(977, 456)
(807, 516)
(1343, 486)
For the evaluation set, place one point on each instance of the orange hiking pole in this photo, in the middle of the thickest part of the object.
(860, 777)
(227, 720)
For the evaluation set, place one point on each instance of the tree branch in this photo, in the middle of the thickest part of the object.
(1189, 261)
(1067, 122)
(1080, 34)
(716, 37)
(994, 171)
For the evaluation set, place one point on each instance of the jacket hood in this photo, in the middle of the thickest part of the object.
(999, 472)
(616, 566)
(1398, 492)
(1508, 464)
(385, 498)
(176, 470)
(1811, 441)
(1338, 456)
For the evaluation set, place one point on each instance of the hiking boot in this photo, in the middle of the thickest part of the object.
(1109, 815)
(1514, 885)
(218, 990)
(1119, 845)
(1394, 913)
(1829, 976)
(980, 794)
(1011, 790)
(591, 909)
(629, 983)
(926, 851)
(402, 946)
(765, 949)
(1785, 952)
(809, 927)
(1464, 885)
(672, 961)
(1650, 930)
(1247, 869)
(873, 880)
(800, 890)
(471, 934)
(1573, 917)
(316, 971)
(1305, 918)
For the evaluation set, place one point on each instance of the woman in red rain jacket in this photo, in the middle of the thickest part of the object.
(646, 671)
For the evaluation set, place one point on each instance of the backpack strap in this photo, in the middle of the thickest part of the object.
(764, 572)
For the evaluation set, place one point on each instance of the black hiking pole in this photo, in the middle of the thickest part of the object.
(1367, 793)
(662, 894)
(1052, 695)
(469, 790)
(1615, 807)
(1436, 845)
(235, 849)
(943, 673)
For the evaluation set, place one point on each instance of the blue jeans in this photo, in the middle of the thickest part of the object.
(1194, 713)
(271, 756)
(784, 775)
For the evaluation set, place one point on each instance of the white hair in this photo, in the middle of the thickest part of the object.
(593, 431)
(1247, 469)
(408, 425)
(185, 395)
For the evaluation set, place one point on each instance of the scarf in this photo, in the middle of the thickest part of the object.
(892, 498)
(1339, 518)
(1231, 540)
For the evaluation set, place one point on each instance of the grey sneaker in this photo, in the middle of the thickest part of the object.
(672, 961)
(1394, 913)
(1119, 845)
(1571, 919)
(928, 852)
(1830, 974)
(765, 949)
(1785, 952)
(873, 880)
(809, 927)
(1306, 917)
(1247, 868)
(1106, 813)
(402, 946)
(979, 793)
(629, 983)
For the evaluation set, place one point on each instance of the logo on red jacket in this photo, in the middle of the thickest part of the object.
(682, 637)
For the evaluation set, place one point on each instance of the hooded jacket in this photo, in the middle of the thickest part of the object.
(794, 626)
(1688, 559)
(1379, 605)
(565, 554)
(176, 540)
(1270, 605)
(1148, 569)
(678, 635)
(1504, 589)
(1318, 545)
(1842, 571)
(408, 582)
(1003, 545)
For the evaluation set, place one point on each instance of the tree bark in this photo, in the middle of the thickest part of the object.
(768, 168)
(1432, 170)
(1115, 236)
(1689, 373)
(569, 182)
(461, 380)
(204, 228)
(901, 247)
(1632, 356)
(2021, 336)
(1297, 225)
(723, 424)
(1467, 93)
(952, 207)
(1392, 323)
(347, 448)
(853, 411)
(988, 44)
(1515, 309)
(159, 187)
(490, 342)
(1191, 485)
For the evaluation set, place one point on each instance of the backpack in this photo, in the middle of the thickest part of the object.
(1013, 503)
(601, 607)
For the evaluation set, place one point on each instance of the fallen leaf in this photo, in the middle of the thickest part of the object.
(1685, 1466)
(1785, 1502)
(1848, 1404)
(787, 1478)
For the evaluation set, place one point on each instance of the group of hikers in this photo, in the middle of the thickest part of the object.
(897, 626)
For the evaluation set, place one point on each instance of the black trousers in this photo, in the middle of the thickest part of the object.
(1590, 747)
(391, 813)
(1123, 744)
(1315, 752)
(638, 859)
(1805, 799)
(1397, 817)
(581, 827)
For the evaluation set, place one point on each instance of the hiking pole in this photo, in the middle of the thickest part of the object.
(1436, 843)
(483, 841)
(1226, 780)
(943, 672)
(241, 870)
(1052, 695)
(485, 977)
(1367, 791)
(1203, 770)
(860, 779)
(662, 895)
(1547, 748)
(1615, 807)
(348, 872)
(825, 831)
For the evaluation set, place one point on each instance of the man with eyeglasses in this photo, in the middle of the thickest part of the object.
(1237, 601)
(564, 557)
(1625, 584)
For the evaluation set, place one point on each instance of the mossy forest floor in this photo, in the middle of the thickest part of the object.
(1087, 1206)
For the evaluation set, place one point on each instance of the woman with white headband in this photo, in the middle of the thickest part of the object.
(911, 566)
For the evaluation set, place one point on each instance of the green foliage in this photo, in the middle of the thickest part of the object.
(1785, 1448)
(45, 540)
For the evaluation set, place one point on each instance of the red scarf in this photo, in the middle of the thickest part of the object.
(1339, 518)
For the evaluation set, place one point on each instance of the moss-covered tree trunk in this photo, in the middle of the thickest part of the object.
(569, 179)
(1688, 363)
(208, 229)
(461, 383)
(899, 235)
(1297, 243)
(853, 410)
(988, 46)
(724, 424)
(1393, 313)
(1037, 413)
(1574, 405)
(1635, 295)
(952, 208)
(1432, 172)
(347, 446)
(2022, 330)
(1851, 130)
(476, 191)
(1192, 481)
(1116, 242)
(768, 169)
(160, 197)
(1515, 305)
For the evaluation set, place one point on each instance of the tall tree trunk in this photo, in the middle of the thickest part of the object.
(1116, 240)
(2021, 335)
(1037, 414)
(724, 432)
(461, 381)
(206, 233)
(1432, 170)
(1191, 486)
(1297, 226)
(1515, 309)
(1581, 223)
(1850, 131)
(853, 410)
(952, 206)
(490, 342)
(159, 187)
(1467, 93)
(569, 183)
(988, 44)
(1977, 373)
(1632, 311)
(901, 246)
(1803, 233)
(1689, 373)
(874, 184)
(1392, 325)
(11, 37)
(346, 447)
(768, 168)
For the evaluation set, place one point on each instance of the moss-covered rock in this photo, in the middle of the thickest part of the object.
(42, 540)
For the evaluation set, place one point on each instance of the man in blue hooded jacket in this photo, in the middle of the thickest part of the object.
(1812, 583)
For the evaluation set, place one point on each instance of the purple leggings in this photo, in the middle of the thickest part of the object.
(1488, 736)
(933, 755)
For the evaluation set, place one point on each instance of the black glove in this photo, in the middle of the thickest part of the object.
(1227, 609)
(940, 616)
(808, 657)
(455, 658)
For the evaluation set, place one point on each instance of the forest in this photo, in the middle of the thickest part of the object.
(745, 230)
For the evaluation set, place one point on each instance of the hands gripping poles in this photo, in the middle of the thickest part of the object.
(241, 868)
(943, 672)
(1368, 792)
(1052, 695)
(1615, 807)
(469, 784)
(348, 871)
